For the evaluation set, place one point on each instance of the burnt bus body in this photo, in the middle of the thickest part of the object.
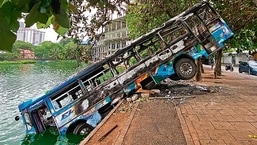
(169, 51)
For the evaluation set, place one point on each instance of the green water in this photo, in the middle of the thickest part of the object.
(19, 82)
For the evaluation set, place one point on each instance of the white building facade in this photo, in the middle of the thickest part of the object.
(114, 37)
(30, 35)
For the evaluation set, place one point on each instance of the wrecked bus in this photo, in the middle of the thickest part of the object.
(78, 104)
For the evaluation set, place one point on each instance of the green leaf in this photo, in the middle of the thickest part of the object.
(35, 16)
(47, 24)
(7, 38)
(62, 17)
(15, 26)
(2, 2)
(59, 29)
(23, 5)
(63, 20)
(10, 14)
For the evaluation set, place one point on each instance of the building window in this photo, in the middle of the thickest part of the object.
(123, 43)
(123, 24)
(118, 44)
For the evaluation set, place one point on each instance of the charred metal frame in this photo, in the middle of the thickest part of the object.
(112, 77)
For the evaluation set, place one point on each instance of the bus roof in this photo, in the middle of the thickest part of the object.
(150, 34)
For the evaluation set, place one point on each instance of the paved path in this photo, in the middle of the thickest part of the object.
(227, 119)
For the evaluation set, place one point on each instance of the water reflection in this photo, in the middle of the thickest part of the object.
(20, 82)
(50, 137)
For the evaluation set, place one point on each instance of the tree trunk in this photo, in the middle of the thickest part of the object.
(78, 55)
(217, 70)
(202, 70)
(199, 68)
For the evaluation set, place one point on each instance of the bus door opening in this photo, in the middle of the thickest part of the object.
(42, 118)
(201, 32)
(212, 22)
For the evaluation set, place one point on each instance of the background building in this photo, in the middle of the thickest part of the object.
(27, 54)
(30, 35)
(114, 37)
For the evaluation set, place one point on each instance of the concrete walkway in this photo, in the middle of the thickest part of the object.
(229, 118)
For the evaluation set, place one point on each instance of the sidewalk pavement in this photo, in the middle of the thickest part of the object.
(228, 117)
(225, 119)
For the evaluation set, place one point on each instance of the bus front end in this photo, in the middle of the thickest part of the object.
(25, 117)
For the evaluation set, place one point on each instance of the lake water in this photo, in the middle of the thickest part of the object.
(20, 82)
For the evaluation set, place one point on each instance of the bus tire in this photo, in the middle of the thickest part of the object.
(185, 68)
(83, 129)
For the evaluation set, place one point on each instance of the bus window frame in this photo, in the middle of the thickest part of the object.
(150, 43)
(207, 10)
(57, 100)
(173, 29)
(96, 77)
(88, 85)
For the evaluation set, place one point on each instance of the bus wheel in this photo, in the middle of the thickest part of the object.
(185, 68)
(83, 129)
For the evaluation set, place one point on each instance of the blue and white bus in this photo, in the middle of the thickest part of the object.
(169, 51)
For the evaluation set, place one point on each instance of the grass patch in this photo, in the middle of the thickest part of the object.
(18, 62)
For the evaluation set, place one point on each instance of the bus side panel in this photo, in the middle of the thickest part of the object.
(158, 70)
(163, 71)
(112, 87)
(220, 31)
(134, 86)
(76, 110)
(159, 73)
(147, 66)
(130, 76)
(197, 51)
(166, 70)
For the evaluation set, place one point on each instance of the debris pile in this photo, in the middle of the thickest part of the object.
(175, 91)
(178, 88)
(179, 91)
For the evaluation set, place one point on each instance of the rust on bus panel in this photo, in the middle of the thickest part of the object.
(106, 90)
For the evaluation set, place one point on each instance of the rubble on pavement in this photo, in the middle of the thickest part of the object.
(176, 91)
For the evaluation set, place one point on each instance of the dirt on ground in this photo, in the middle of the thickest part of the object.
(153, 120)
